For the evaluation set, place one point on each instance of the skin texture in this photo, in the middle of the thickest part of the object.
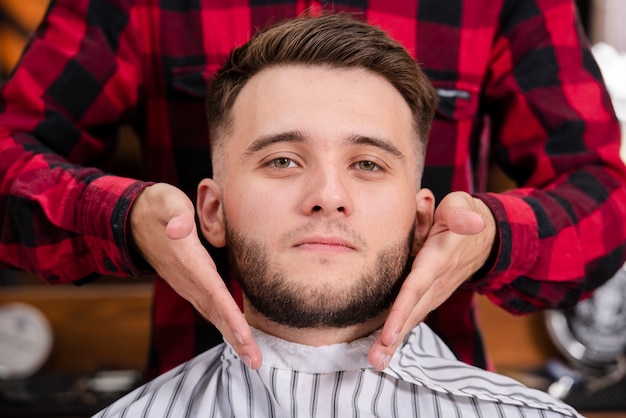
(452, 246)
(314, 156)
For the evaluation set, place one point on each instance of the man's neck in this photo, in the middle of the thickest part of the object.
(312, 336)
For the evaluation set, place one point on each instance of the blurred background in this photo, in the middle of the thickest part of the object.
(88, 344)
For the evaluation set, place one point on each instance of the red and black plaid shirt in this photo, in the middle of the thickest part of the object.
(516, 80)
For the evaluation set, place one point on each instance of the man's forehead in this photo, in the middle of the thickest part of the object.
(283, 100)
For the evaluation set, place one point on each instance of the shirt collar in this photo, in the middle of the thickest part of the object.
(281, 354)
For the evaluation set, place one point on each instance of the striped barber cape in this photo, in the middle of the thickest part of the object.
(423, 379)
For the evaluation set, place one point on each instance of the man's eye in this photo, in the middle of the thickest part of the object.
(282, 163)
(367, 166)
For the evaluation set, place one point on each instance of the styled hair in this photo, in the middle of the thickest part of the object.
(333, 40)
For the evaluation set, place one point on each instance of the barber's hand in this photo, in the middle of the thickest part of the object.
(457, 245)
(164, 231)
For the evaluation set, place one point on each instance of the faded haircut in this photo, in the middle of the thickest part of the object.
(334, 40)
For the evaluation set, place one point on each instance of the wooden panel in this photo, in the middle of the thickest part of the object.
(107, 326)
(95, 327)
(514, 341)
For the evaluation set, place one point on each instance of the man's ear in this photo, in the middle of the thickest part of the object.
(424, 219)
(211, 213)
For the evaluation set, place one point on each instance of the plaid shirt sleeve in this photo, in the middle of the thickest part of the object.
(58, 219)
(562, 233)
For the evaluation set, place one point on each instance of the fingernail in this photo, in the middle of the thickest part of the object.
(247, 360)
(238, 337)
(383, 362)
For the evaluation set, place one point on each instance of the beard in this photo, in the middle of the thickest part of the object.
(272, 294)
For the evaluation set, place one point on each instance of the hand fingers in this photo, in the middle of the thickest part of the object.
(402, 310)
(228, 319)
(422, 291)
(454, 249)
(409, 308)
(393, 333)
(181, 259)
(215, 302)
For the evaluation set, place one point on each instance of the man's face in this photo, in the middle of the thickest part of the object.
(318, 190)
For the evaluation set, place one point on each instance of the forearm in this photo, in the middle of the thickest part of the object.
(65, 224)
(559, 241)
(556, 246)
(61, 109)
(562, 232)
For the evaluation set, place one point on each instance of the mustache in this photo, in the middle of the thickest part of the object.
(326, 227)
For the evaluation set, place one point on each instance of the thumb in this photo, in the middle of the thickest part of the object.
(465, 222)
(181, 225)
(168, 204)
(457, 212)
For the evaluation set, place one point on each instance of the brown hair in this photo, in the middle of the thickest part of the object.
(334, 40)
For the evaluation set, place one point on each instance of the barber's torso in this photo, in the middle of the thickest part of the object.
(186, 41)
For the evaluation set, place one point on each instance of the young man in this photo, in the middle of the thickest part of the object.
(517, 84)
(319, 130)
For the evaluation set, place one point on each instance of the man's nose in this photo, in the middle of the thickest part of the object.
(328, 192)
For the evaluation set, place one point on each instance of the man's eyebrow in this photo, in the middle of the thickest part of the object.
(299, 137)
(265, 141)
(381, 143)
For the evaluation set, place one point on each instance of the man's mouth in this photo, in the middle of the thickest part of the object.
(322, 243)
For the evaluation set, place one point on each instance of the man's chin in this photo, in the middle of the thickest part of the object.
(322, 320)
(320, 283)
(329, 269)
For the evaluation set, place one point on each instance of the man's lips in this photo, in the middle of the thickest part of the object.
(328, 244)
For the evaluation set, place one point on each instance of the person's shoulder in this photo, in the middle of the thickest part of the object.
(171, 387)
(424, 360)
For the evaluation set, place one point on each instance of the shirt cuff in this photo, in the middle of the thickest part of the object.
(104, 208)
(516, 244)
